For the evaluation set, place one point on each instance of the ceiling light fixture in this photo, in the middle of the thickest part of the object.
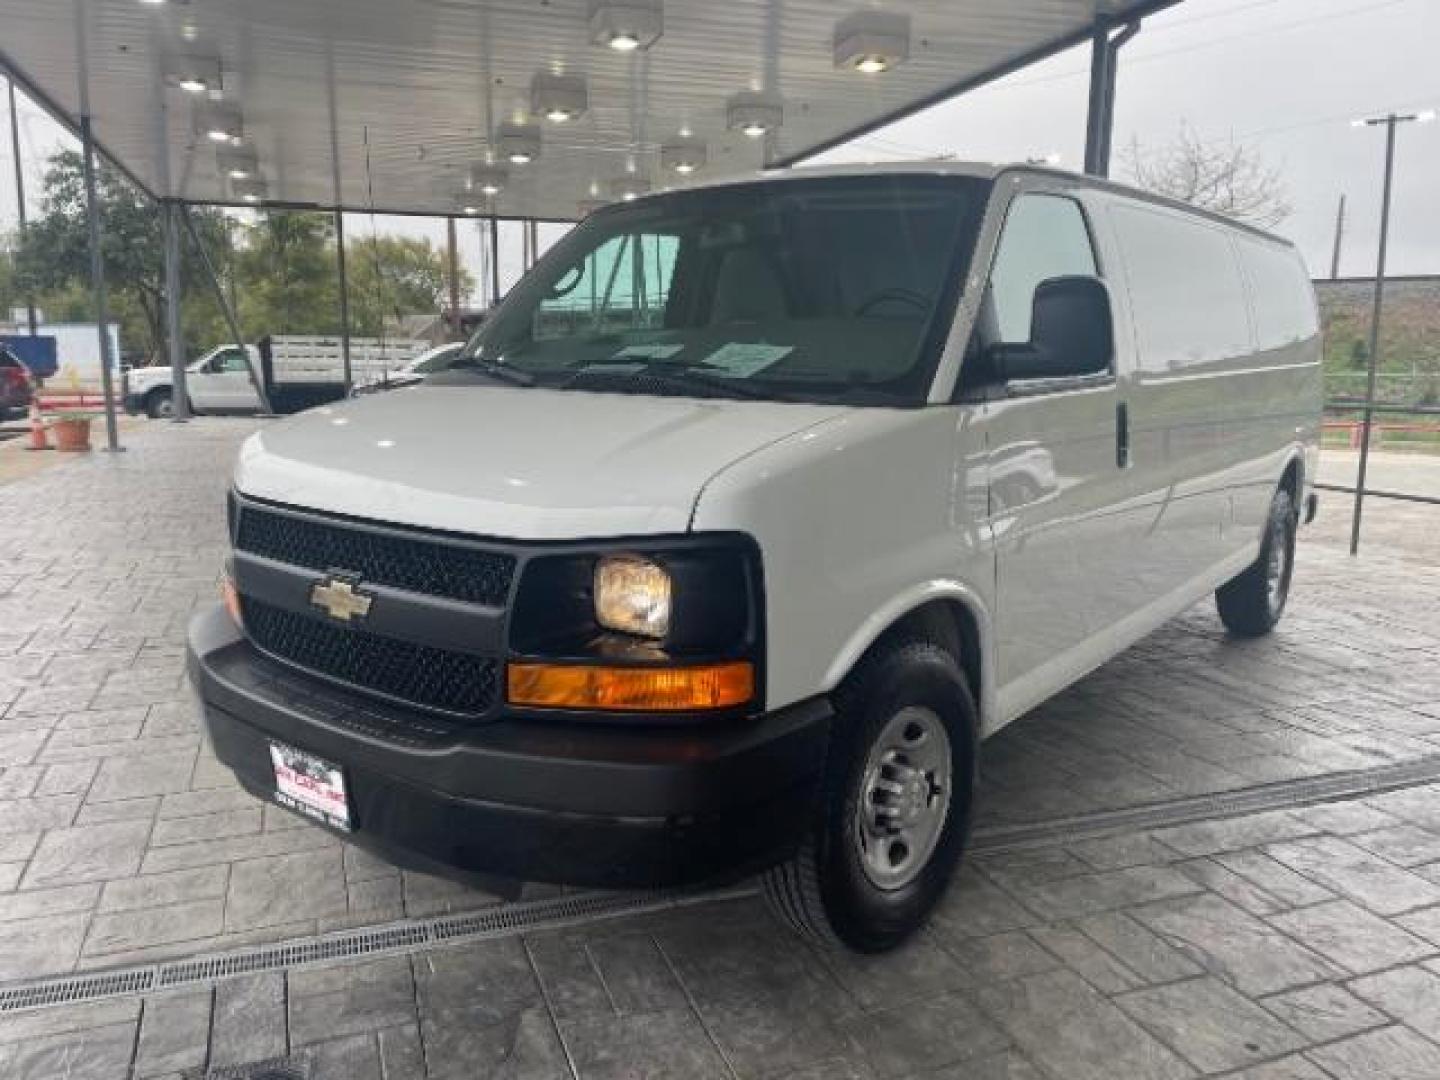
(872, 41)
(237, 163)
(628, 25)
(628, 188)
(193, 74)
(518, 144)
(754, 114)
(220, 123)
(488, 180)
(252, 191)
(586, 207)
(683, 157)
(558, 98)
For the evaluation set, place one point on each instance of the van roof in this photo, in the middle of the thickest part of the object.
(981, 170)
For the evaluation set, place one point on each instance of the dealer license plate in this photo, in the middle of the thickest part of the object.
(310, 785)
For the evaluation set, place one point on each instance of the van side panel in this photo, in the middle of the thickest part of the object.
(859, 519)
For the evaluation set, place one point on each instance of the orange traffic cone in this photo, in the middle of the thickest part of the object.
(38, 439)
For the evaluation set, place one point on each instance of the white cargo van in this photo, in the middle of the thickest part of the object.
(750, 513)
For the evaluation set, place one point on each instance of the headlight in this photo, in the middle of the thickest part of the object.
(632, 595)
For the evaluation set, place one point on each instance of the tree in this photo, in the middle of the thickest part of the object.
(287, 276)
(1227, 177)
(53, 256)
(393, 278)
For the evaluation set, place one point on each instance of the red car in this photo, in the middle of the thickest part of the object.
(15, 387)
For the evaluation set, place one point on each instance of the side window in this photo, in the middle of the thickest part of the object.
(1185, 289)
(624, 284)
(231, 361)
(1283, 299)
(1044, 237)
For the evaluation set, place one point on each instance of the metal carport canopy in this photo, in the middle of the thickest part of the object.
(390, 105)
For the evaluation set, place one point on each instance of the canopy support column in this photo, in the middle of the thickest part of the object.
(1100, 122)
(97, 282)
(180, 397)
(30, 316)
(344, 300)
(457, 326)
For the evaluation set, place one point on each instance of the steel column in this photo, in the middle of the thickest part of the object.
(1339, 239)
(180, 398)
(20, 193)
(97, 283)
(457, 326)
(255, 379)
(1391, 122)
(494, 261)
(344, 298)
(1104, 66)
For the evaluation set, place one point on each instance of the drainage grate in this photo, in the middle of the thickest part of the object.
(1284, 794)
(503, 920)
(286, 1068)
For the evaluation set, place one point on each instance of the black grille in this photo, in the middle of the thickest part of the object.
(433, 678)
(403, 562)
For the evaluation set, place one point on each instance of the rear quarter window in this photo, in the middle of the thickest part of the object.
(1186, 293)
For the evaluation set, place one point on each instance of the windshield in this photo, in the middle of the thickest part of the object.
(811, 289)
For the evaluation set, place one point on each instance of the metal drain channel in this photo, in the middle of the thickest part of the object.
(506, 920)
(1282, 795)
(396, 938)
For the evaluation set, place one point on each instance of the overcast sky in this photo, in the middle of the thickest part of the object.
(1282, 76)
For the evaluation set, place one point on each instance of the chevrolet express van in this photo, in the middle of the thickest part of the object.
(752, 511)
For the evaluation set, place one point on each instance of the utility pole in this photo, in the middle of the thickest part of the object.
(1339, 237)
(20, 193)
(1389, 122)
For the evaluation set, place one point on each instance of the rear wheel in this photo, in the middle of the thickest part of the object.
(894, 814)
(160, 405)
(1251, 603)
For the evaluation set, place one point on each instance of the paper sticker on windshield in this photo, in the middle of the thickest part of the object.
(648, 352)
(740, 360)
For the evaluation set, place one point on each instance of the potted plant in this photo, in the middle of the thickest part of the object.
(72, 431)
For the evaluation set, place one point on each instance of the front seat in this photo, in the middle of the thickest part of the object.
(747, 289)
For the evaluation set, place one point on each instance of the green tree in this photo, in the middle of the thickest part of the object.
(53, 257)
(287, 280)
(392, 278)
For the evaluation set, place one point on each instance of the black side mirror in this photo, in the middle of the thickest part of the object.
(1071, 333)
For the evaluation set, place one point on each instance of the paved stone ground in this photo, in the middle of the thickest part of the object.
(1287, 945)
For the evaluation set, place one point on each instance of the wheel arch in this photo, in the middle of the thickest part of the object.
(950, 613)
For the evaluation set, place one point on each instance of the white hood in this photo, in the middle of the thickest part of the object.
(521, 463)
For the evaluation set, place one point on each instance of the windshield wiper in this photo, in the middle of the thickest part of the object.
(500, 372)
(679, 375)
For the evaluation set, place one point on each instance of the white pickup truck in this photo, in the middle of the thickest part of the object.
(297, 372)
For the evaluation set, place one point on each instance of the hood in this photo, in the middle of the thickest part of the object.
(513, 462)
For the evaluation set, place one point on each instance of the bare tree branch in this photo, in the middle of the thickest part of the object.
(1227, 177)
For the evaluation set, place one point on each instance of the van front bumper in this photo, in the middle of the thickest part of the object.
(607, 805)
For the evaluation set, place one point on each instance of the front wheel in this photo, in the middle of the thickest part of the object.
(1251, 603)
(894, 813)
(160, 405)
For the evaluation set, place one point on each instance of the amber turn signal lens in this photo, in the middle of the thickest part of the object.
(631, 689)
(231, 599)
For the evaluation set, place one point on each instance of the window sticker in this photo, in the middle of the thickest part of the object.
(648, 352)
(740, 360)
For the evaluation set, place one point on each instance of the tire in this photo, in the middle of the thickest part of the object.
(846, 887)
(1251, 603)
(160, 404)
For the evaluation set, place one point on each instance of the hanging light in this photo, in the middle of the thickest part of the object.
(628, 188)
(193, 74)
(586, 207)
(518, 144)
(220, 123)
(488, 180)
(683, 157)
(627, 25)
(237, 163)
(468, 203)
(872, 41)
(252, 191)
(754, 114)
(558, 98)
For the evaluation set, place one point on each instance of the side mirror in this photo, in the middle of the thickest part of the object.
(1071, 333)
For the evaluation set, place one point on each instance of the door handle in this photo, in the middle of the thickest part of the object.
(1122, 434)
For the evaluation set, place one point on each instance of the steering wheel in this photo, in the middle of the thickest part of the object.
(894, 296)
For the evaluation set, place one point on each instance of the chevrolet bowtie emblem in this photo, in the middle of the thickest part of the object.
(339, 599)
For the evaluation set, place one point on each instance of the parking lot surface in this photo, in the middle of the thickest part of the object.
(1208, 858)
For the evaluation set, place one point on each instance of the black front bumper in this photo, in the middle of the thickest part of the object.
(604, 805)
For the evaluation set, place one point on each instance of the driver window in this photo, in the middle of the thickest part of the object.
(231, 361)
(622, 285)
(1045, 237)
